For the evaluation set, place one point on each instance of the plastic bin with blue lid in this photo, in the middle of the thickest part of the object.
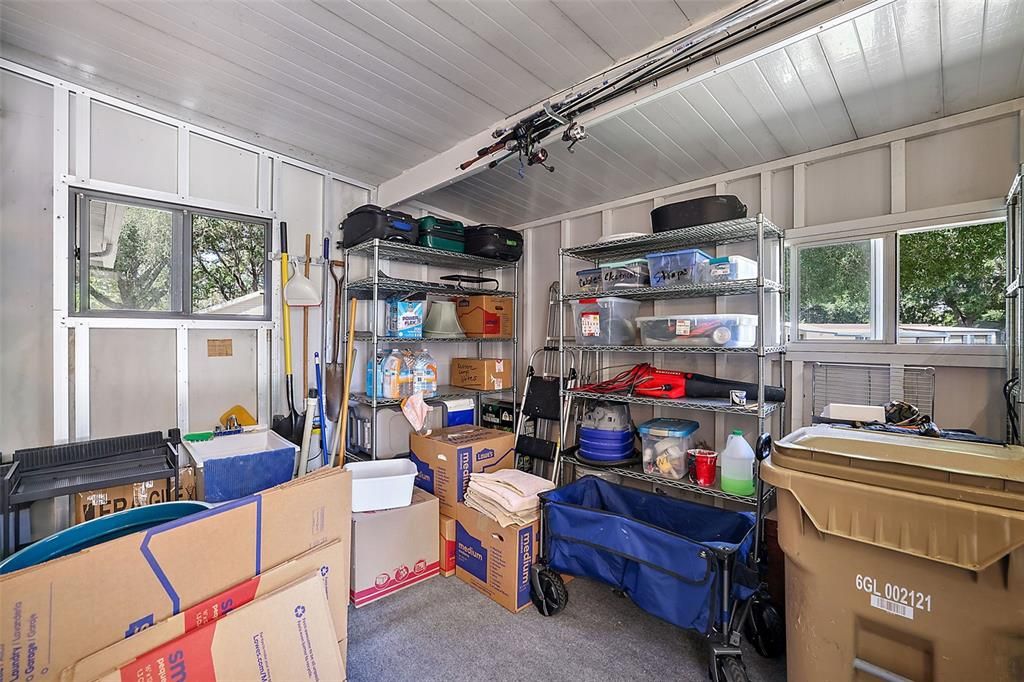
(627, 274)
(729, 269)
(589, 280)
(665, 442)
(676, 268)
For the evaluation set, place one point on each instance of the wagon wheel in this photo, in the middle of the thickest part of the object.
(547, 590)
(731, 669)
(765, 628)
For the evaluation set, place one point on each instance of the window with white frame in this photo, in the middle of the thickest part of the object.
(946, 282)
(139, 258)
(952, 281)
(838, 295)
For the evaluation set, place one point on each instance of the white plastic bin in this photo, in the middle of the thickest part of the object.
(609, 321)
(729, 269)
(722, 331)
(384, 484)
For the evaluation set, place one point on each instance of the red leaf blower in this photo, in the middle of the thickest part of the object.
(650, 382)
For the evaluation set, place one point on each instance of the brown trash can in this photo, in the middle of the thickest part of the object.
(904, 556)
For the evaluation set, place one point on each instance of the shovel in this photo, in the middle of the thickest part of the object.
(334, 377)
(290, 425)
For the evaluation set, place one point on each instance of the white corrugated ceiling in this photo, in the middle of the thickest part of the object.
(365, 87)
(904, 63)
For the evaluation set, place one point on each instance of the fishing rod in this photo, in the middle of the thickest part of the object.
(523, 139)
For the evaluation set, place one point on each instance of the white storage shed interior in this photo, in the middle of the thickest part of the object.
(853, 122)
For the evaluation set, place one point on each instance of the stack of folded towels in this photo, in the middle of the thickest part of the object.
(508, 496)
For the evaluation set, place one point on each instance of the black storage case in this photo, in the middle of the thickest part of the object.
(373, 222)
(491, 241)
(697, 212)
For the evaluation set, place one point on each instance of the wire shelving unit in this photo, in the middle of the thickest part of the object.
(370, 289)
(767, 292)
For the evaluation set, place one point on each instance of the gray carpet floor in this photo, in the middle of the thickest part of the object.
(443, 629)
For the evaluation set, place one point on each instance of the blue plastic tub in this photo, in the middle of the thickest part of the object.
(675, 268)
(666, 554)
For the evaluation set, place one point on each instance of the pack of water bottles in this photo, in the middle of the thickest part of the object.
(402, 373)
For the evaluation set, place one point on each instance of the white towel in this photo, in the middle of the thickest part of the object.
(513, 490)
(494, 511)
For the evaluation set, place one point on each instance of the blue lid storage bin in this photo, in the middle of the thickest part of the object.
(675, 268)
(665, 554)
(589, 280)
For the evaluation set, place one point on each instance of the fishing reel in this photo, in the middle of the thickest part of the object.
(573, 134)
(538, 157)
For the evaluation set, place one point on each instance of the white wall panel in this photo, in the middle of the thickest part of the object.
(133, 381)
(222, 172)
(848, 187)
(749, 192)
(133, 150)
(632, 218)
(962, 165)
(218, 380)
(26, 261)
(782, 198)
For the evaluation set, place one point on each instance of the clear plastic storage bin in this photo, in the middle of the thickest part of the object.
(723, 331)
(627, 274)
(609, 321)
(665, 442)
(729, 269)
(589, 280)
(674, 268)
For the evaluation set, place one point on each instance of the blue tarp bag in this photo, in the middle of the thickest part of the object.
(666, 554)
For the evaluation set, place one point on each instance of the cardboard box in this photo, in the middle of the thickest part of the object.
(74, 606)
(94, 503)
(287, 635)
(393, 549)
(495, 560)
(446, 545)
(485, 316)
(446, 458)
(483, 374)
(330, 562)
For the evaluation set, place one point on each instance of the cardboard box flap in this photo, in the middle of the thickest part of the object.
(961, 534)
(956, 470)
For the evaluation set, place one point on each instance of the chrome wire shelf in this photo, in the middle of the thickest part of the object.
(408, 286)
(733, 288)
(424, 255)
(727, 232)
(443, 393)
(769, 350)
(401, 340)
(639, 475)
(703, 404)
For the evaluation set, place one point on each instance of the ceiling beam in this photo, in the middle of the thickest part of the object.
(443, 169)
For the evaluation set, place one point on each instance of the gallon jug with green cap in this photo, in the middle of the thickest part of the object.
(737, 465)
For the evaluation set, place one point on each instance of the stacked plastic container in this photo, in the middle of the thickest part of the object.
(606, 433)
